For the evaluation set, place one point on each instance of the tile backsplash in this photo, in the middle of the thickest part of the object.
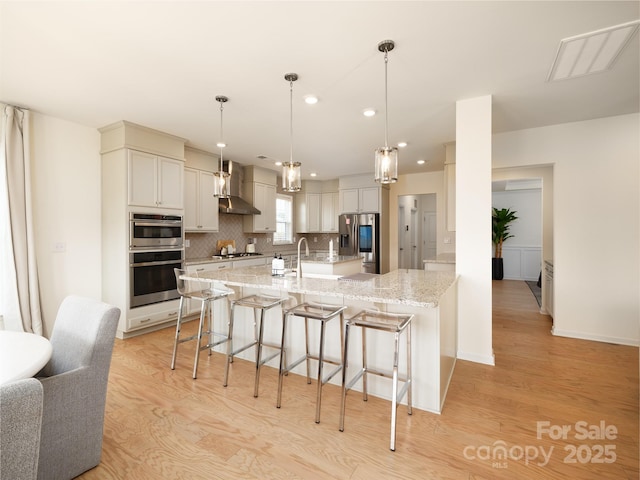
(203, 245)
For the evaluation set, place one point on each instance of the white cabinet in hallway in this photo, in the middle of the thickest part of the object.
(200, 206)
(155, 181)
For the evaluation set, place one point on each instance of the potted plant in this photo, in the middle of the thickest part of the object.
(500, 221)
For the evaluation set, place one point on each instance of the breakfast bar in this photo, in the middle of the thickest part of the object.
(430, 296)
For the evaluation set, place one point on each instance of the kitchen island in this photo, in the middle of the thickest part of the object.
(430, 296)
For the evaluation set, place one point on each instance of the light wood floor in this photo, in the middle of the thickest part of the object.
(161, 424)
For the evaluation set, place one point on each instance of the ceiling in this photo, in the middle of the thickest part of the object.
(161, 64)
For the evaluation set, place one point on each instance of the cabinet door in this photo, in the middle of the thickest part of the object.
(369, 199)
(170, 183)
(329, 212)
(190, 200)
(349, 200)
(208, 204)
(314, 211)
(265, 201)
(450, 195)
(142, 179)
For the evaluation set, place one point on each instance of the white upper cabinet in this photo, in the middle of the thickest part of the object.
(450, 186)
(260, 191)
(356, 200)
(263, 197)
(308, 218)
(200, 206)
(330, 211)
(155, 181)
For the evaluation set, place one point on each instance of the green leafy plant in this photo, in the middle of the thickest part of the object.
(501, 220)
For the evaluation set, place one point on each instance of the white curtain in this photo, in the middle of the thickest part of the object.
(19, 291)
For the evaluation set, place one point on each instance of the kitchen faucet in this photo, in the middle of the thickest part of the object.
(299, 266)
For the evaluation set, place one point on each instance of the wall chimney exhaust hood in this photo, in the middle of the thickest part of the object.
(234, 204)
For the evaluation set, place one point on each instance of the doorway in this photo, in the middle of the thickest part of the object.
(417, 234)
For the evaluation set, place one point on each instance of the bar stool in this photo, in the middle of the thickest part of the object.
(323, 313)
(262, 303)
(386, 322)
(206, 294)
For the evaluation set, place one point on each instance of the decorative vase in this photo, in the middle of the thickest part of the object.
(497, 268)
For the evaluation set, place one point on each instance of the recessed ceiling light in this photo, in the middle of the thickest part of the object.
(311, 99)
(591, 52)
(313, 174)
(221, 144)
(420, 162)
(368, 112)
(402, 144)
(278, 163)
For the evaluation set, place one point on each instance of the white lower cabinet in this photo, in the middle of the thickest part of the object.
(150, 315)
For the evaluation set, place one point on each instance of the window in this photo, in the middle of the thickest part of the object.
(284, 222)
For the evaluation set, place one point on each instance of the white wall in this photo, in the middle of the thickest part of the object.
(596, 177)
(473, 228)
(66, 203)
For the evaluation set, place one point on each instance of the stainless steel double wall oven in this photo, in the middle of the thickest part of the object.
(156, 247)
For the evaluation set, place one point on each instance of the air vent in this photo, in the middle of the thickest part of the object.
(591, 52)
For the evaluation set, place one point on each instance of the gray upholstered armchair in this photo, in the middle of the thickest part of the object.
(75, 388)
(20, 420)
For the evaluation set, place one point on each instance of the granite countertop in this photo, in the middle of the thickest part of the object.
(217, 259)
(404, 287)
(442, 258)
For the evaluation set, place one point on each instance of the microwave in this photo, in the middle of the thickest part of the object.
(153, 231)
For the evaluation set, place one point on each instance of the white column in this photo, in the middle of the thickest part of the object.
(473, 228)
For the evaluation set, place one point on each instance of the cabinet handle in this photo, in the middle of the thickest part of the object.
(199, 269)
(221, 267)
(145, 320)
(172, 314)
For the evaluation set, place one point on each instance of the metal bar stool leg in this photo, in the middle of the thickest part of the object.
(365, 396)
(306, 345)
(177, 337)
(320, 369)
(229, 345)
(259, 352)
(394, 392)
(345, 356)
(282, 365)
(199, 339)
(210, 323)
(409, 377)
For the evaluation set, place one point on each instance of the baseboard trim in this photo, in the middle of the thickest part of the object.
(595, 338)
(474, 357)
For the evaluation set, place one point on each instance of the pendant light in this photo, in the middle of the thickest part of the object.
(221, 177)
(291, 180)
(386, 157)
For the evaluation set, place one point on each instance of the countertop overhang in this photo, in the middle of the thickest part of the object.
(418, 288)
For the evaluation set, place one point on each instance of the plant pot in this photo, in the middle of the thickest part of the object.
(497, 268)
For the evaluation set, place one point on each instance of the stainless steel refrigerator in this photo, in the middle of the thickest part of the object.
(360, 235)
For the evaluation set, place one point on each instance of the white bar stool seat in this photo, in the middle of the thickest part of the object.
(323, 313)
(386, 322)
(206, 294)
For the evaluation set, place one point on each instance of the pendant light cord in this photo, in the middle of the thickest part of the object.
(221, 138)
(386, 108)
(291, 120)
